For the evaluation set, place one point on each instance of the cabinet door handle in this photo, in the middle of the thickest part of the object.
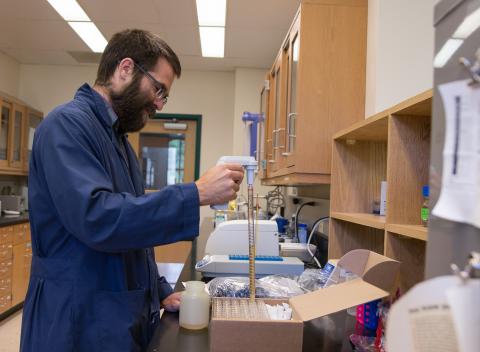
(278, 134)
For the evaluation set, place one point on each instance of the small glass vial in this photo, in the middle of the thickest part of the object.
(194, 306)
(425, 210)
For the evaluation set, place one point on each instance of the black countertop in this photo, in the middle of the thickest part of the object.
(325, 334)
(6, 220)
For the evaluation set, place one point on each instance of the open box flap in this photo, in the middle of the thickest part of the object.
(383, 274)
(355, 261)
(335, 298)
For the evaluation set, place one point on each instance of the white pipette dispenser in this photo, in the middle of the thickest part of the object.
(250, 165)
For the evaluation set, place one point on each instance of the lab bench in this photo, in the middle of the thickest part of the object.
(329, 333)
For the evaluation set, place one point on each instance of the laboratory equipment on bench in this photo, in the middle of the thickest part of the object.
(228, 246)
(298, 250)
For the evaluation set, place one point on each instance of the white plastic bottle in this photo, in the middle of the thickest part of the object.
(194, 306)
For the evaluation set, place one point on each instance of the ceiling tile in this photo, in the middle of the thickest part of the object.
(239, 43)
(176, 12)
(142, 11)
(28, 9)
(108, 29)
(184, 40)
(45, 57)
(37, 34)
(254, 14)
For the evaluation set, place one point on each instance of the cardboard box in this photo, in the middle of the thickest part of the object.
(376, 276)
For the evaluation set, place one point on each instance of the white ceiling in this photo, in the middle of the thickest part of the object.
(32, 32)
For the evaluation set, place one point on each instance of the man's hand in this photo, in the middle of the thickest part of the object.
(220, 184)
(172, 302)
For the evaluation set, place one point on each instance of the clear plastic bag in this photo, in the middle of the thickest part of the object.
(273, 286)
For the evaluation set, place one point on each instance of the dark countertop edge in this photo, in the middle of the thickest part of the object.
(13, 220)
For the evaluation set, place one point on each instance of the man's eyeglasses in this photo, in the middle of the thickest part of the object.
(161, 90)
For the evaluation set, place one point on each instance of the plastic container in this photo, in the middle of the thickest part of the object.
(302, 233)
(194, 306)
(367, 314)
(425, 210)
(282, 223)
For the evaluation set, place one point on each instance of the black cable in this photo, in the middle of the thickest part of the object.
(297, 213)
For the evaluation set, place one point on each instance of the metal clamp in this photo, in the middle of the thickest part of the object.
(472, 68)
(471, 270)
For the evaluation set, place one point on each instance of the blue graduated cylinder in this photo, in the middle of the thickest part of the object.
(271, 258)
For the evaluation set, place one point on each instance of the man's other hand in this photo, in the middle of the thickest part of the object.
(172, 302)
(220, 184)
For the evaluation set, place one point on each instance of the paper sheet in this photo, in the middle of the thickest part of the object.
(460, 190)
(438, 315)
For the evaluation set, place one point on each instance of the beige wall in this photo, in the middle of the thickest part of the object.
(400, 51)
(9, 75)
(45, 87)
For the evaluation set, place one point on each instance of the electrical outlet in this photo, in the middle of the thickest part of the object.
(292, 191)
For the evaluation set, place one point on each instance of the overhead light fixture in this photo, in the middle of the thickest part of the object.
(90, 35)
(211, 13)
(211, 20)
(70, 10)
(446, 52)
(468, 26)
(212, 40)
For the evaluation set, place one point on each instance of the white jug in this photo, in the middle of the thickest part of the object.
(194, 306)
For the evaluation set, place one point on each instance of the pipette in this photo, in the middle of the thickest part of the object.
(250, 165)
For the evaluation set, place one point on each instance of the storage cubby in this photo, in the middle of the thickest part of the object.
(350, 236)
(393, 145)
(411, 254)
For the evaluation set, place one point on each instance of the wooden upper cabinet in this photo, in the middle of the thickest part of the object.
(17, 132)
(6, 112)
(17, 125)
(322, 88)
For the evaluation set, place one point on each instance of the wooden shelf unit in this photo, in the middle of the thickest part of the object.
(392, 146)
(371, 220)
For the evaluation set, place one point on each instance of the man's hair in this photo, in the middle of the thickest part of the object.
(142, 46)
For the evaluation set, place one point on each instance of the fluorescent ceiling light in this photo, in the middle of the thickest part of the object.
(70, 10)
(211, 12)
(446, 52)
(212, 40)
(90, 35)
(468, 26)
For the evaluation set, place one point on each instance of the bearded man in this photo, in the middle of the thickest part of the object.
(94, 284)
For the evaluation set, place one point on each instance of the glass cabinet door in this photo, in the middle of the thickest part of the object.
(261, 155)
(4, 127)
(34, 119)
(277, 117)
(17, 136)
(292, 111)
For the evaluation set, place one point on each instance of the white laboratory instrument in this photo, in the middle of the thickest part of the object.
(298, 250)
(228, 251)
(230, 237)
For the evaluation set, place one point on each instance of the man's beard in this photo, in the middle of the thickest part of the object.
(132, 107)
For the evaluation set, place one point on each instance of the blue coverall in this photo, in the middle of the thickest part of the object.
(94, 284)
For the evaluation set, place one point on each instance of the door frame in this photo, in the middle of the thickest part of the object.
(198, 133)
